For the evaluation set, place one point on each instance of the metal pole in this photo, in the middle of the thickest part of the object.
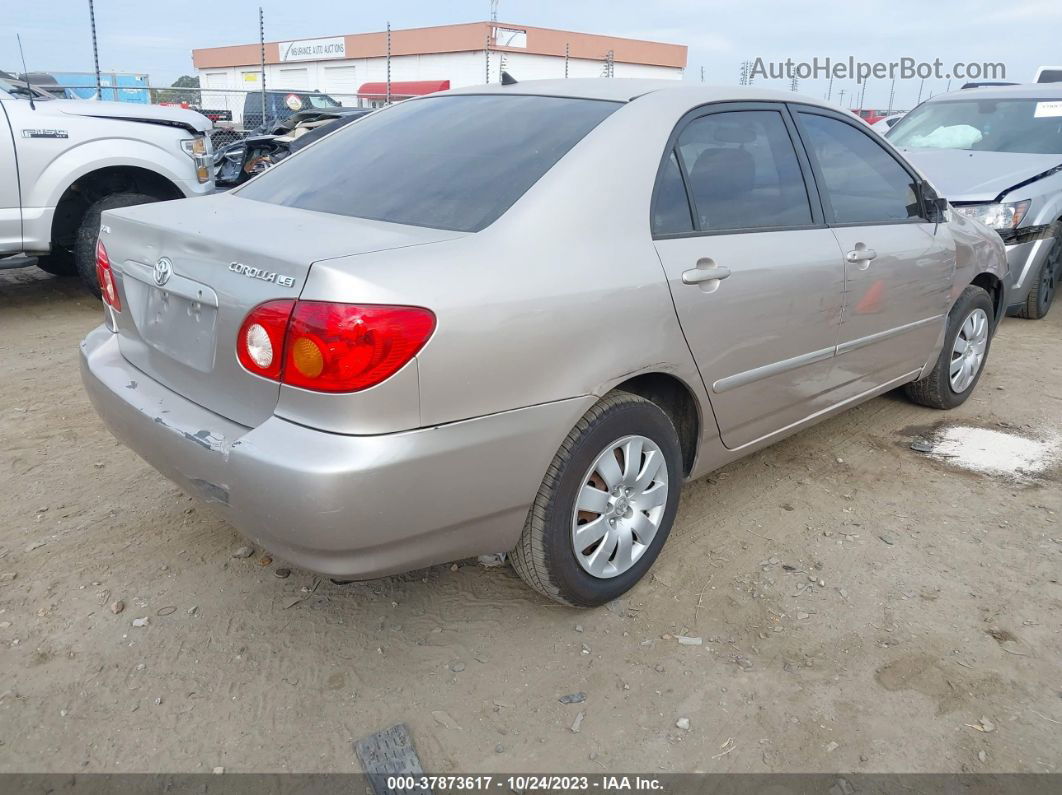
(892, 96)
(95, 51)
(388, 63)
(261, 58)
(487, 51)
(863, 95)
(920, 85)
(567, 52)
(702, 74)
(829, 88)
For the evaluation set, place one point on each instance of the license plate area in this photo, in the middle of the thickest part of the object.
(177, 319)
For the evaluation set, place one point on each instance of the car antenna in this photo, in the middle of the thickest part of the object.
(508, 79)
(25, 71)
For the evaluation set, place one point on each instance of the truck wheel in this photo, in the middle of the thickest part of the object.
(606, 504)
(59, 263)
(962, 359)
(85, 247)
(1042, 292)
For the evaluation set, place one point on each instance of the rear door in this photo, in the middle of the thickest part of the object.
(899, 266)
(755, 274)
(10, 204)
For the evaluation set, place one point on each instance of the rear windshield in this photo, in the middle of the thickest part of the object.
(450, 162)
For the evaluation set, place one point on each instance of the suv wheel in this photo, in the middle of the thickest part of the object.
(962, 359)
(89, 231)
(606, 505)
(1042, 293)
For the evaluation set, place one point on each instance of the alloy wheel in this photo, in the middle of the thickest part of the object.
(968, 350)
(619, 506)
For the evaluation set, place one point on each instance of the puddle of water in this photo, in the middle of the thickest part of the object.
(993, 452)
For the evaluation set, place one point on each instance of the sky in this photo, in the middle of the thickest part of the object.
(156, 38)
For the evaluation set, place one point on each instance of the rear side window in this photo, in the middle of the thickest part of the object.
(450, 162)
(743, 172)
(864, 183)
(671, 207)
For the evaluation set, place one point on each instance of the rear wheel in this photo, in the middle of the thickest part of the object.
(85, 246)
(1042, 294)
(606, 505)
(962, 359)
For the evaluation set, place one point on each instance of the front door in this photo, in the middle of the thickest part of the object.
(899, 266)
(755, 275)
(10, 203)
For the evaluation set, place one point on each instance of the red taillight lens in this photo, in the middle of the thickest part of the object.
(260, 343)
(328, 347)
(349, 347)
(105, 276)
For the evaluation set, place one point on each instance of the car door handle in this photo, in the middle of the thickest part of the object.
(861, 254)
(702, 275)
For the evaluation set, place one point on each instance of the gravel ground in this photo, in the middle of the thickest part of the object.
(860, 605)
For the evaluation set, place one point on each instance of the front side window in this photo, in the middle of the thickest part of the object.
(743, 172)
(984, 125)
(449, 162)
(863, 182)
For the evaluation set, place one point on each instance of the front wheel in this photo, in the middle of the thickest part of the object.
(606, 505)
(1042, 293)
(89, 231)
(962, 359)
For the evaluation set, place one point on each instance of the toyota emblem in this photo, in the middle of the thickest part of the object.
(163, 271)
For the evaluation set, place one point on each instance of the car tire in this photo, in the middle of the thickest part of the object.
(59, 263)
(1042, 293)
(939, 389)
(546, 557)
(88, 232)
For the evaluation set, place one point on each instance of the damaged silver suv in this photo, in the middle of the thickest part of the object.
(996, 153)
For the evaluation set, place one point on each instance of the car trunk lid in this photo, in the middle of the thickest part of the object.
(191, 270)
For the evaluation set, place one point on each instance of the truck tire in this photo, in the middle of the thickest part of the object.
(59, 263)
(616, 481)
(948, 384)
(85, 247)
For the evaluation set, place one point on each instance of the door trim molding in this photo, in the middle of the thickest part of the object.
(870, 339)
(774, 368)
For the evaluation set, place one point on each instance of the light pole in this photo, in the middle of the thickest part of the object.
(95, 51)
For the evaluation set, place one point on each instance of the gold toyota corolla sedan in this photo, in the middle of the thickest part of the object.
(517, 318)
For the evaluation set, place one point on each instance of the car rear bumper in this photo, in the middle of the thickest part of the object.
(346, 506)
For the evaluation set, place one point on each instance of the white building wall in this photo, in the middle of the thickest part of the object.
(341, 78)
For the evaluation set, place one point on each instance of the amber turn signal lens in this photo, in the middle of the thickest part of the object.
(307, 357)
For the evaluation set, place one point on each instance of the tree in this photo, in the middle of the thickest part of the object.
(172, 95)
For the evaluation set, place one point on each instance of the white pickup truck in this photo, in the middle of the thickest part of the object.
(63, 162)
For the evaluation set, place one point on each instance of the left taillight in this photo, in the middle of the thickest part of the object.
(331, 347)
(105, 277)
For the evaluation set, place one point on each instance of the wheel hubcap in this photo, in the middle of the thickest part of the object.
(968, 350)
(619, 506)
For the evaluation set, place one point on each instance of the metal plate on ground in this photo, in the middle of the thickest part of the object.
(389, 753)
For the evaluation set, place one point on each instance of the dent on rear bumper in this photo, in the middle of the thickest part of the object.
(346, 506)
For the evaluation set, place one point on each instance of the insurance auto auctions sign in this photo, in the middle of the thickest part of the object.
(313, 49)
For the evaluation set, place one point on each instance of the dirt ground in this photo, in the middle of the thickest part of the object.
(863, 607)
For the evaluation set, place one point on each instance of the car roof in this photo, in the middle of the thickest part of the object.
(1023, 91)
(625, 89)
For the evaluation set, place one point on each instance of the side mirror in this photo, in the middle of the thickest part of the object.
(936, 208)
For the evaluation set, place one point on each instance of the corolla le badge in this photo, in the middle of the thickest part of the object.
(265, 276)
(163, 271)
